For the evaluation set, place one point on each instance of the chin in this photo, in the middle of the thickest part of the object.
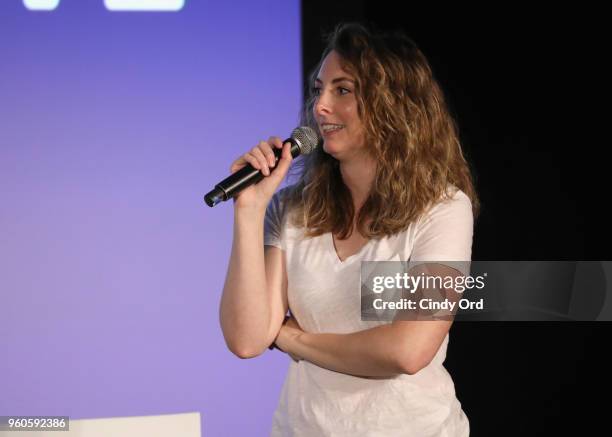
(330, 148)
(336, 150)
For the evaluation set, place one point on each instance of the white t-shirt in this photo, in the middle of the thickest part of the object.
(324, 296)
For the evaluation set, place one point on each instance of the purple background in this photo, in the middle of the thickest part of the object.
(113, 126)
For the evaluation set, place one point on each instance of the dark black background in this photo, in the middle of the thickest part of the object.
(526, 91)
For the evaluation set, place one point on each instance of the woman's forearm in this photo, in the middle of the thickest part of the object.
(403, 347)
(372, 352)
(245, 307)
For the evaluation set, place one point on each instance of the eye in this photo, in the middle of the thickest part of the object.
(343, 90)
(315, 91)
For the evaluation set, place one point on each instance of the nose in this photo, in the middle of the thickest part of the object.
(322, 104)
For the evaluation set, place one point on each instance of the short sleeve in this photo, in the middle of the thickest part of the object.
(445, 233)
(274, 221)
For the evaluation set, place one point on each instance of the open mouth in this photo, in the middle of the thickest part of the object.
(328, 128)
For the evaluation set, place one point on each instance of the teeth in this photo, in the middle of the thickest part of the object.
(330, 127)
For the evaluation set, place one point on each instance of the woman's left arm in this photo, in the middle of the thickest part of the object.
(401, 347)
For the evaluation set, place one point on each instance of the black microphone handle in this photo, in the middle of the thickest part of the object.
(246, 176)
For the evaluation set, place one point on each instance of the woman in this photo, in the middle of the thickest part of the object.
(389, 183)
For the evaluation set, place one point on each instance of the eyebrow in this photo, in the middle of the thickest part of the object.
(338, 79)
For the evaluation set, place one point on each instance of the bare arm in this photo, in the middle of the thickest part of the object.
(254, 296)
(254, 300)
(388, 350)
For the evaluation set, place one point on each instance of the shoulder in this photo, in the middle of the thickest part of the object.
(279, 206)
(454, 206)
(445, 231)
(280, 200)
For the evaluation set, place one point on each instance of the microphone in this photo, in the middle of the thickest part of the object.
(303, 140)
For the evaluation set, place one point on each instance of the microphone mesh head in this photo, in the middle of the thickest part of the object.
(306, 138)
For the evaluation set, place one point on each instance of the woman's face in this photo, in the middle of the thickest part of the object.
(335, 110)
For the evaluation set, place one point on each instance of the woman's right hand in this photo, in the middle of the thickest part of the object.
(262, 158)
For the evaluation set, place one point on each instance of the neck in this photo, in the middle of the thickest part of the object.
(358, 175)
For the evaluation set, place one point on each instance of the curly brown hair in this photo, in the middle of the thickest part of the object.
(408, 131)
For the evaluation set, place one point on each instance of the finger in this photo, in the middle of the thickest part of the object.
(287, 153)
(242, 161)
(237, 164)
(277, 143)
(286, 157)
(248, 157)
(294, 358)
(283, 164)
(274, 143)
(258, 153)
(263, 147)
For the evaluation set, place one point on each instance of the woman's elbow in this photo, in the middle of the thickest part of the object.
(245, 351)
(413, 363)
(245, 354)
(242, 345)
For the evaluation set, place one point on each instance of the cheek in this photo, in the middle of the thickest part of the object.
(350, 115)
(357, 134)
(349, 110)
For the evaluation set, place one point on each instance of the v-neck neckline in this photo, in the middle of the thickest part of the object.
(350, 257)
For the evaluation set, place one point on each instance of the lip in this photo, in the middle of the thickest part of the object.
(329, 133)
